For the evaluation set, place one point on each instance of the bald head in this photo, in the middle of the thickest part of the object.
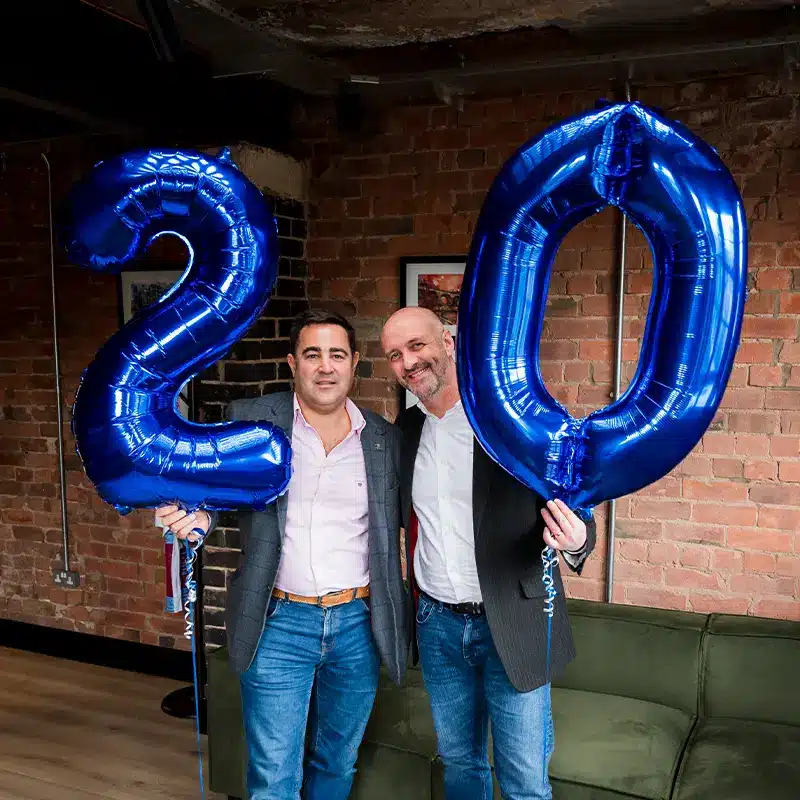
(421, 353)
(412, 319)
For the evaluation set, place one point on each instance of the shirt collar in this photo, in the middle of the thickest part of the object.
(357, 421)
(455, 410)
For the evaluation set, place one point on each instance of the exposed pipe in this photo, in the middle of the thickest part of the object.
(612, 505)
(57, 364)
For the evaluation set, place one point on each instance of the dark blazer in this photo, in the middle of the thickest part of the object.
(508, 529)
(262, 536)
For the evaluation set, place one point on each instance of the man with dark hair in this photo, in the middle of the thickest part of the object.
(319, 599)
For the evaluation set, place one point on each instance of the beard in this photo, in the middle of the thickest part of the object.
(431, 382)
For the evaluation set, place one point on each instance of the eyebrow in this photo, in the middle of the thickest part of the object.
(315, 349)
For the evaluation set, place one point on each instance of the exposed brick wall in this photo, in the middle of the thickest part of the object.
(722, 531)
(255, 366)
(120, 559)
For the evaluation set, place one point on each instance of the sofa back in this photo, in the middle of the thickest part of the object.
(751, 669)
(643, 653)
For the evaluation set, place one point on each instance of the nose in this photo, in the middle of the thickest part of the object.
(326, 364)
(409, 361)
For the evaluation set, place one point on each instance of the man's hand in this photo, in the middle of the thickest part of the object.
(565, 530)
(181, 523)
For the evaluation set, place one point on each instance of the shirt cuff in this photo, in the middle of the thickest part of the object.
(574, 558)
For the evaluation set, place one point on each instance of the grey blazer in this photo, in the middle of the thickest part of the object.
(262, 535)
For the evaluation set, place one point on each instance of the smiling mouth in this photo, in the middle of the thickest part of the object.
(413, 376)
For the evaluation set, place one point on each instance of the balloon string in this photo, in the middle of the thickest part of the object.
(549, 560)
(190, 586)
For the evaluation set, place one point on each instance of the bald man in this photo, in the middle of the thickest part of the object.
(474, 541)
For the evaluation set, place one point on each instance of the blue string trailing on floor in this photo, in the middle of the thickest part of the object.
(190, 597)
(549, 560)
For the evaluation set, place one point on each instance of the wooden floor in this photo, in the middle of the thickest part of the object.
(70, 730)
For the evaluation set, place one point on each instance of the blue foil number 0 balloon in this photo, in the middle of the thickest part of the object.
(134, 446)
(675, 188)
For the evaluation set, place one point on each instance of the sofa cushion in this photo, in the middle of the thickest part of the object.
(619, 744)
(401, 716)
(643, 653)
(741, 760)
(751, 669)
(227, 754)
(390, 774)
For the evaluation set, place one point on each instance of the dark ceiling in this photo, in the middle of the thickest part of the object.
(206, 71)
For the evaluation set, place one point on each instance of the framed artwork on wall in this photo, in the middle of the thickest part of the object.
(139, 288)
(433, 282)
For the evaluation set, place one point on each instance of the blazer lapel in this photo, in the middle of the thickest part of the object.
(284, 418)
(412, 433)
(481, 480)
(373, 444)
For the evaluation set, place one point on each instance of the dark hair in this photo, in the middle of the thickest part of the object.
(318, 316)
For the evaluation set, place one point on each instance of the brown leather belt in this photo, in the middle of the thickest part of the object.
(330, 599)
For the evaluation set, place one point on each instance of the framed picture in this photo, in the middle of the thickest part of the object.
(139, 288)
(433, 282)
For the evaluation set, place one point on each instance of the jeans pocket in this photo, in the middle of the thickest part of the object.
(424, 610)
(273, 607)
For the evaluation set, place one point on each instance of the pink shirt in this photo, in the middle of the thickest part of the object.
(325, 544)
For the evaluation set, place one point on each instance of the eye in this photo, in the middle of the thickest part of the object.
(417, 346)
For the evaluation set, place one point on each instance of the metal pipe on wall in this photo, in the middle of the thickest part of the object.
(63, 576)
(612, 505)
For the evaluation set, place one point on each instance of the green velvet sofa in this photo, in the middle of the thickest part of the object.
(658, 705)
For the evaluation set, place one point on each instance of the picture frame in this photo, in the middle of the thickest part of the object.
(140, 287)
(432, 282)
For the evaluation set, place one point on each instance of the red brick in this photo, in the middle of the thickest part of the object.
(766, 376)
(656, 598)
(755, 353)
(754, 421)
(694, 532)
(788, 566)
(783, 399)
(781, 518)
(759, 539)
(760, 562)
(790, 303)
(779, 608)
(751, 445)
(718, 604)
(760, 470)
(663, 553)
(724, 514)
(768, 328)
(789, 471)
(773, 279)
(692, 579)
(727, 468)
(727, 560)
(638, 529)
(775, 495)
(721, 491)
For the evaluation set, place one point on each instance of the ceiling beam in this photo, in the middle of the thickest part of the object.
(91, 121)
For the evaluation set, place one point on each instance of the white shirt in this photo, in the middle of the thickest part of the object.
(444, 558)
(326, 542)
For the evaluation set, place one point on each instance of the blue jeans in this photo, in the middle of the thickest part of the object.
(468, 687)
(309, 659)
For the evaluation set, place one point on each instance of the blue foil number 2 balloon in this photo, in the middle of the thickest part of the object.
(134, 446)
(675, 188)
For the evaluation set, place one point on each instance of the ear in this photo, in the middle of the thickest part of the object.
(292, 364)
(449, 343)
(356, 356)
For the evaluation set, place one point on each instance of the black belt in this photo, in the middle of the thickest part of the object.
(475, 609)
